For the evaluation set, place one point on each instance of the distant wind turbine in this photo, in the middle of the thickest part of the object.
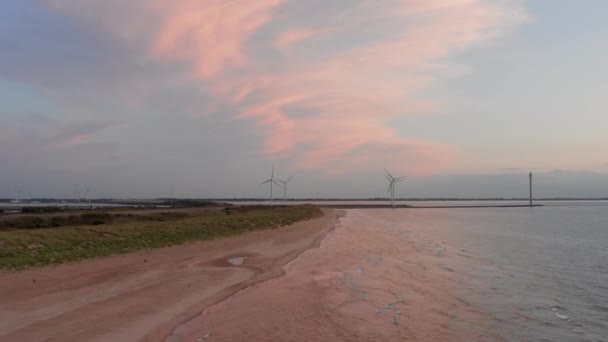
(284, 182)
(271, 181)
(76, 194)
(391, 187)
(86, 193)
(18, 191)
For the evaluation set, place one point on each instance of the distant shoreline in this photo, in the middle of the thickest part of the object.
(408, 199)
(403, 206)
(120, 201)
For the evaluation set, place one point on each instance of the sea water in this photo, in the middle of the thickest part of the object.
(540, 273)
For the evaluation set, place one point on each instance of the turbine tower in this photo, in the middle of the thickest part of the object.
(391, 187)
(284, 182)
(86, 193)
(271, 181)
(76, 194)
(530, 175)
(18, 191)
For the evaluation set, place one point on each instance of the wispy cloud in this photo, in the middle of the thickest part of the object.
(323, 89)
(211, 34)
(289, 38)
(74, 134)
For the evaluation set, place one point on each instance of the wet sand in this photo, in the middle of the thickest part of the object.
(374, 278)
(143, 296)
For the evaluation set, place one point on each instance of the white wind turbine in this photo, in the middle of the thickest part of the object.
(271, 181)
(391, 187)
(284, 182)
(86, 193)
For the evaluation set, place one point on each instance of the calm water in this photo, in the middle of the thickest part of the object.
(541, 273)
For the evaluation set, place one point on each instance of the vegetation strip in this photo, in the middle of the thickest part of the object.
(22, 248)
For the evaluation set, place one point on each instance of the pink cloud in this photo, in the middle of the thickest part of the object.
(289, 38)
(332, 104)
(71, 141)
(210, 33)
(352, 95)
(63, 136)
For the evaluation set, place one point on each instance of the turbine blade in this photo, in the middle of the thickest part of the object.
(268, 181)
(389, 178)
(401, 178)
(277, 184)
(390, 187)
(389, 174)
(288, 179)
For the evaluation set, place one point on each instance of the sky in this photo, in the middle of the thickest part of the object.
(199, 98)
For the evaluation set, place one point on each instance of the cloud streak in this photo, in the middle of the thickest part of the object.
(323, 89)
(211, 34)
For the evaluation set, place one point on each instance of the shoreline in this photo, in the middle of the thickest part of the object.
(374, 278)
(146, 295)
(406, 206)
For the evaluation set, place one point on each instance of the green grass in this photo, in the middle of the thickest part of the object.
(22, 248)
(86, 219)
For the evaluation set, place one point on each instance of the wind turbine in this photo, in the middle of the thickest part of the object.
(86, 193)
(76, 194)
(271, 181)
(284, 182)
(391, 187)
(18, 191)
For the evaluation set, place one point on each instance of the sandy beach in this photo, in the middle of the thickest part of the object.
(143, 296)
(371, 279)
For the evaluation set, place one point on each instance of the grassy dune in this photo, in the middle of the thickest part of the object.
(22, 248)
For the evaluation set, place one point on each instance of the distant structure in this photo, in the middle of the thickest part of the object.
(531, 204)
(284, 182)
(81, 194)
(271, 181)
(391, 187)
(17, 194)
(86, 193)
